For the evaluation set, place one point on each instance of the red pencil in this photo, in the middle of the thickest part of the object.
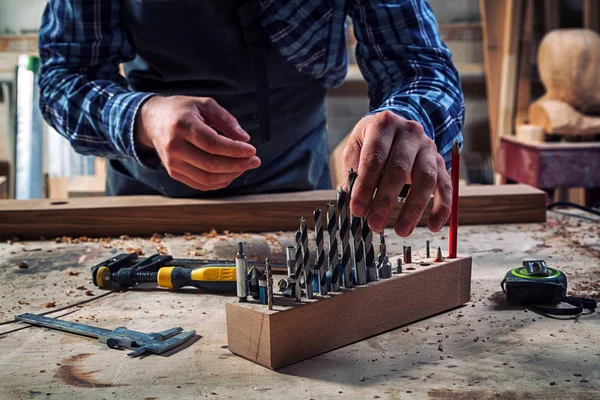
(453, 237)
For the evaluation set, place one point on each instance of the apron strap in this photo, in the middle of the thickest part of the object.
(257, 44)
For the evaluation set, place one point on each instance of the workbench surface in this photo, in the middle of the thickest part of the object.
(482, 350)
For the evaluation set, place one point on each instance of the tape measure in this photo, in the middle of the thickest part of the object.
(542, 289)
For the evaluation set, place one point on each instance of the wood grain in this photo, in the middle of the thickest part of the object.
(295, 332)
(144, 215)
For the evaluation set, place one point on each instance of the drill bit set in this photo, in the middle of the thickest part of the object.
(330, 269)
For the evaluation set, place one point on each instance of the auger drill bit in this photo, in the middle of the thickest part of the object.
(384, 266)
(308, 272)
(334, 264)
(356, 229)
(367, 236)
(342, 206)
(320, 265)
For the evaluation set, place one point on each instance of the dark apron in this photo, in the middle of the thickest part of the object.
(218, 49)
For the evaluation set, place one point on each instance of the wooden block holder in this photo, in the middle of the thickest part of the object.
(293, 332)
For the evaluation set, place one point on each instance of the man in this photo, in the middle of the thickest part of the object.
(226, 97)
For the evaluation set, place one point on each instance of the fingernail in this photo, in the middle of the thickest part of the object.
(242, 132)
(254, 162)
(405, 228)
(359, 208)
(377, 223)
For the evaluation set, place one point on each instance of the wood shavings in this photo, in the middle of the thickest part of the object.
(81, 259)
(70, 272)
(80, 287)
(22, 265)
(212, 234)
(26, 250)
(49, 304)
(156, 238)
(124, 237)
(136, 250)
(187, 236)
(89, 293)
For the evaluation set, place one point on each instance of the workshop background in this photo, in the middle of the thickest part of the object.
(494, 46)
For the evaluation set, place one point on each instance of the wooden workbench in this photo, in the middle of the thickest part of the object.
(483, 350)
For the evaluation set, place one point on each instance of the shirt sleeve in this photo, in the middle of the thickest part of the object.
(82, 94)
(408, 68)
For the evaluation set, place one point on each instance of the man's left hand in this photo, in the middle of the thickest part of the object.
(388, 151)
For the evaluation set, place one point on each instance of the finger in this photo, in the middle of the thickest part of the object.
(350, 158)
(205, 138)
(373, 156)
(216, 164)
(200, 179)
(395, 175)
(442, 198)
(424, 176)
(221, 119)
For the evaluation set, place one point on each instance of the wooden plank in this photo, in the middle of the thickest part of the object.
(508, 75)
(492, 11)
(591, 15)
(293, 332)
(549, 165)
(144, 215)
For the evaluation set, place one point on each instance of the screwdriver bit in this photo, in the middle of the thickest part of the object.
(334, 265)
(342, 206)
(320, 265)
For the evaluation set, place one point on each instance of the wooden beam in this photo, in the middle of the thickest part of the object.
(509, 71)
(144, 215)
(591, 14)
(525, 66)
(492, 11)
(293, 332)
(551, 14)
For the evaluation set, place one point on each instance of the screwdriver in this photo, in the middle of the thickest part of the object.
(212, 277)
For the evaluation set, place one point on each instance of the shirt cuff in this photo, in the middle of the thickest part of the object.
(119, 121)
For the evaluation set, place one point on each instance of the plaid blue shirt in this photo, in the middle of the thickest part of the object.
(400, 53)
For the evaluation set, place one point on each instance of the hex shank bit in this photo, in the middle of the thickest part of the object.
(334, 265)
(320, 264)
(342, 206)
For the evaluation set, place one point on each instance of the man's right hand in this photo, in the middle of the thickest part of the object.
(183, 131)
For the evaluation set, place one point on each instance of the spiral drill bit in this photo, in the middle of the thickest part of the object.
(308, 273)
(334, 264)
(269, 283)
(342, 206)
(356, 230)
(320, 265)
(367, 236)
(298, 262)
